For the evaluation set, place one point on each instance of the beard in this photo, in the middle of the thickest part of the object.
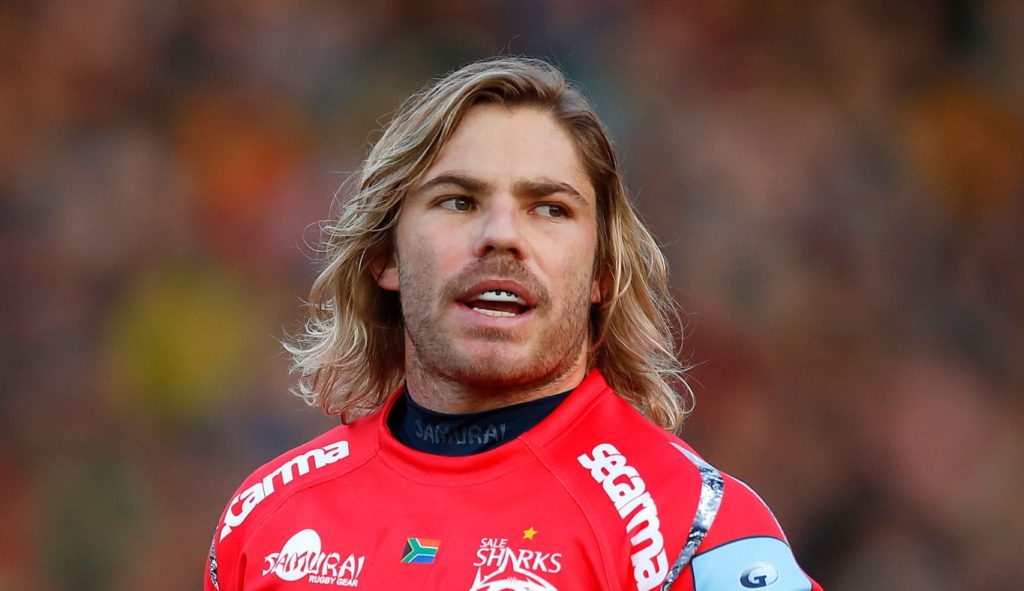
(541, 352)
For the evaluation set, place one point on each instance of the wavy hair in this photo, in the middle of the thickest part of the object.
(351, 354)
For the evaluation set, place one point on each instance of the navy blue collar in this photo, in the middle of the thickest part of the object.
(443, 434)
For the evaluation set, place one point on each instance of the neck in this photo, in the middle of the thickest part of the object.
(447, 394)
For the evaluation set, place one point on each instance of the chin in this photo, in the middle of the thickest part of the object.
(499, 370)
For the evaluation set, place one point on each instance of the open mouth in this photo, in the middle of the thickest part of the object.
(498, 303)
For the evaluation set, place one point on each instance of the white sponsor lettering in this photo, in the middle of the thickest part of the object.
(627, 490)
(302, 557)
(244, 502)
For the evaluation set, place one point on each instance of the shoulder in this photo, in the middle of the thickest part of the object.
(607, 445)
(735, 541)
(676, 514)
(612, 435)
(328, 456)
(617, 435)
(634, 481)
(270, 485)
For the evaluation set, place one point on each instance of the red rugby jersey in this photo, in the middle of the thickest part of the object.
(593, 497)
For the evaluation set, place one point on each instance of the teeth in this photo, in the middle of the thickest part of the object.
(497, 313)
(498, 295)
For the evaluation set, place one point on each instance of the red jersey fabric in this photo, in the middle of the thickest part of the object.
(593, 497)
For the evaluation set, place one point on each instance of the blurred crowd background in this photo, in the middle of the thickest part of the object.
(838, 184)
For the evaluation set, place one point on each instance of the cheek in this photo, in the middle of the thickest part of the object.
(575, 270)
(426, 255)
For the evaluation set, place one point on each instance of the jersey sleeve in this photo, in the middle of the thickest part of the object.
(224, 562)
(211, 582)
(735, 542)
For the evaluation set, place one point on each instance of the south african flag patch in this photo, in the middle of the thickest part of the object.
(420, 551)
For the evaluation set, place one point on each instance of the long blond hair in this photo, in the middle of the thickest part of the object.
(351, 355)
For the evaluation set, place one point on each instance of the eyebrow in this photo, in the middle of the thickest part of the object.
(544, 187)
(459, 180)
(541, 187)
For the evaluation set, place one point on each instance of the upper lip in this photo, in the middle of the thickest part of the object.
(501, 285)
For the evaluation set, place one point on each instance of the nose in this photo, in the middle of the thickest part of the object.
(501, 230)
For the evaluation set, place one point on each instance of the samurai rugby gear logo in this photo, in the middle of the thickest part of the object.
(302, 556)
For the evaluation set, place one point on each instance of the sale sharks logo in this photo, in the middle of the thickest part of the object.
(501, 566)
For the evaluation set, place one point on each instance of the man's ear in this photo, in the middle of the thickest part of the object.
(597, 289)
(384, 267)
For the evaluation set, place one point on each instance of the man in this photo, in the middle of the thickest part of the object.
(492, 327)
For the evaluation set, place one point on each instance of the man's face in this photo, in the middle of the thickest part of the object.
(494, 256)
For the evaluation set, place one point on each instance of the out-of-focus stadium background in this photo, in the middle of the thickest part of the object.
(839, 185)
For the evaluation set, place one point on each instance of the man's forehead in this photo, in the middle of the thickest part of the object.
(523, 145)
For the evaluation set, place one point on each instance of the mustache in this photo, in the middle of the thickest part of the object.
(496, 268)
